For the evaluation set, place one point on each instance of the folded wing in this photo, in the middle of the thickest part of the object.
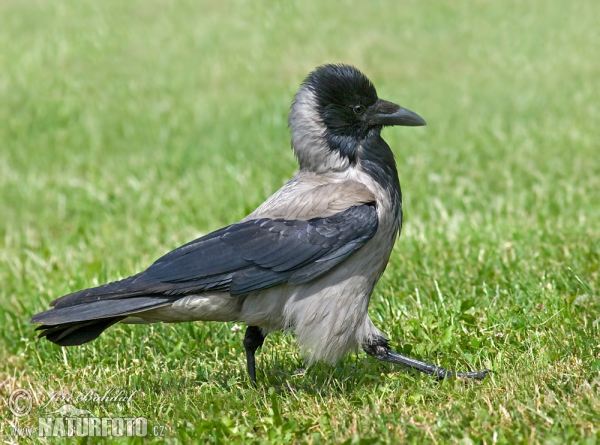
(245, 257)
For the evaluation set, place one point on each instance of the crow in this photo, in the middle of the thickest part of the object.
(305, 261)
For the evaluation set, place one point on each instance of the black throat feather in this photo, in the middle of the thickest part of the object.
(377, 160)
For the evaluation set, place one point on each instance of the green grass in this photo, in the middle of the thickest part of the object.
(129, 128)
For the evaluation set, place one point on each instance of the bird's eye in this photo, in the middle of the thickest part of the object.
(358, 109)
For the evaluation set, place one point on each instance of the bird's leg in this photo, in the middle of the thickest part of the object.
(378, 348)
(253, 340)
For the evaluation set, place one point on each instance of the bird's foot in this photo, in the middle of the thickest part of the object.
(378, 348)
(253, 340)
(443, 374)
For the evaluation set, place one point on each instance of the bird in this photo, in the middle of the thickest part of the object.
(305, 261)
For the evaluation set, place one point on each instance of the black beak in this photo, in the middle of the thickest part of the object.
(388, 113)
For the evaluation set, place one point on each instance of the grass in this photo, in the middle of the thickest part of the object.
(129, 128)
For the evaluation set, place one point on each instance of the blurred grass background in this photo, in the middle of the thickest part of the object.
(129, 128)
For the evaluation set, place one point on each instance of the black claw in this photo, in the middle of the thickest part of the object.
(475, 375)
(253, 340)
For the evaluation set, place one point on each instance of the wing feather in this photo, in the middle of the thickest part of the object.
(245, 257)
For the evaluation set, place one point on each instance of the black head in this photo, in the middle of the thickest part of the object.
(343, 94)
(336, 112)
(347, 104)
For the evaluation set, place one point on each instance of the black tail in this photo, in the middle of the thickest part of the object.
(73, 334)
(84, 322)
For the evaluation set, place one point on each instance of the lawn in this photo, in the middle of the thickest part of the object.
(130, 128)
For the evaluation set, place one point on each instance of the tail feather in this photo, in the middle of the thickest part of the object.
(82, 323)
(74, 334)
(100, 309)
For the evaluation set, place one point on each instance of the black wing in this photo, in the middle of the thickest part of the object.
(246, 257)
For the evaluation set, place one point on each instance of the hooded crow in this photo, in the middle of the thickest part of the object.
(307, 260)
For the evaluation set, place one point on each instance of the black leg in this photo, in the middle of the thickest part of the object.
(378, 348)
(253, 340)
